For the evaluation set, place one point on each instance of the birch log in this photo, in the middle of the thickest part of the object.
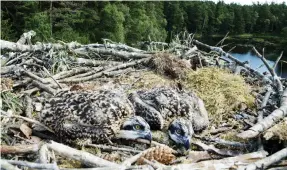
(269, 121)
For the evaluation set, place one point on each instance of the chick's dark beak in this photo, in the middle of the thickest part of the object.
(147, 136)
(186, 144)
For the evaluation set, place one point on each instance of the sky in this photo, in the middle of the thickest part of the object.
(249, 2)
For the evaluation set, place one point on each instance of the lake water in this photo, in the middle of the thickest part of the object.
(257, 64)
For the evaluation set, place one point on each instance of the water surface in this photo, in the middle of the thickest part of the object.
(257, 64)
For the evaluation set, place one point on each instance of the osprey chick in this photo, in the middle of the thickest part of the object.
(99, 116)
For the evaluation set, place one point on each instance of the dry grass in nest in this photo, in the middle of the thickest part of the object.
(278, 131)
(6, 84)
(168, 65)
(221, 91)
(145, 80)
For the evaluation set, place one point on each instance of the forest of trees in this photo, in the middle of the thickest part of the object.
(130, 22)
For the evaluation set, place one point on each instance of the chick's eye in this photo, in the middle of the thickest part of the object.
(137, 127)
(178, 131)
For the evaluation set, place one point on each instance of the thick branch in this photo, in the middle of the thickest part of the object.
(218, 49)
(266, 162)
(82, 156)
(7, 45)
(269, 121)
(32, 164)
(271, 70)
(18, 149)
(121, 54)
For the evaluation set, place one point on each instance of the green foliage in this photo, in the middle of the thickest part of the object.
(40, 23)
(68, 35)
(130, 22)
(112, 23)
(284, 32)
(6, 29)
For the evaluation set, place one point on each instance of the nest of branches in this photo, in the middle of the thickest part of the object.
(242, 103)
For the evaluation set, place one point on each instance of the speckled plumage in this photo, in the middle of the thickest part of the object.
(95, 115)
(159, 106)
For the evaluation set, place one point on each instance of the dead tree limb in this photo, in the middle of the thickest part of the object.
(114, 46)
(220, 51)
(7, 166)
(26, 119)
(84, 157)
(32, 164)
(121, 54)
(224, 142)
(28, 106)
(11, 46)
(43, 154)
(277, 61)
(19, 149)
(91, 62)
(113, 148)
(44, 87)
(71, 72)
(266, 162)
(97, 75)
(215, 150)
(269, 121)
(226, 163)
(261, 112)
(271, 70)
(35, 77)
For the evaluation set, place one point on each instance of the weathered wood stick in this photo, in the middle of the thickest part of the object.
(269, 121)
(43, 154)
(17, 58)
(226, 163)
(49, 74)
(118, 72)
(97, 75)
(224, 142)
(220, 50)
(222, 152)
(28, 106)
(35, 77)
(7, 45)
(7, 166)
(261, 112)
(27, 119)
(44, 87)
(19, 149)
(114, 46)
(32, 164)
(84, 157)
(277, 61)
(71, 72)
(121, 54)
(113, 148)
(88, 73)
(90, 62)
(271, 70)
(266, 162)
